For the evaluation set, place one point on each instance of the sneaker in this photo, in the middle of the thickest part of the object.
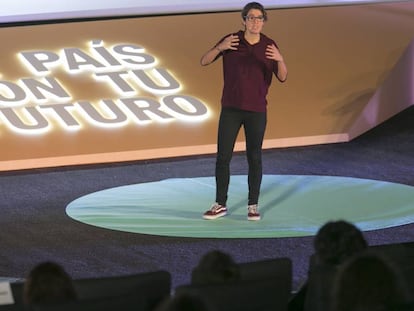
(215, 211)
(253, 212)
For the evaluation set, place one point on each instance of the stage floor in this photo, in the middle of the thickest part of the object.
(379, 165)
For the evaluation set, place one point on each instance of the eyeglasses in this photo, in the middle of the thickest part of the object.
(252, 18)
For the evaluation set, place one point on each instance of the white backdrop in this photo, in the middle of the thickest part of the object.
(30, 10)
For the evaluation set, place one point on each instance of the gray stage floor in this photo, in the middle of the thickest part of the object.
(35, 227)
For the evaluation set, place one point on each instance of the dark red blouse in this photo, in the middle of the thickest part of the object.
(247, 74)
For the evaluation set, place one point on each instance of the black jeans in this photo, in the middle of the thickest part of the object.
(230, 122)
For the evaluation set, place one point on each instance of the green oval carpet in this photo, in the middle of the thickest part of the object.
(291, 206)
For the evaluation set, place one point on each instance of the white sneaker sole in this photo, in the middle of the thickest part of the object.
(212, 217)
(253, 218)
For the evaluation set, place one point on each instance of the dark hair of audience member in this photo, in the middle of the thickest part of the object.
(183, 302)
(336, 241)
(215, 267)
(369, 282)
(48, 283)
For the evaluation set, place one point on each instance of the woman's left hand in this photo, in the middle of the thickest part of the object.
(272, 52)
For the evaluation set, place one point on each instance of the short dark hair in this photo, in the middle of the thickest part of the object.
(253, 5)
(336, 241)
(48, 283)
(370, 281)
(215, 267)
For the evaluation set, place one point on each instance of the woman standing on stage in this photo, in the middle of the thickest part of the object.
(250, 59)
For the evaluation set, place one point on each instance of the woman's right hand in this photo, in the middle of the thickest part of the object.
(229, 43)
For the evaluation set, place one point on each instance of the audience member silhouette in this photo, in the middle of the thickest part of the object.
(334, 242)
(48, 283)
(369, 282)
(215, 267)
(183, 302)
